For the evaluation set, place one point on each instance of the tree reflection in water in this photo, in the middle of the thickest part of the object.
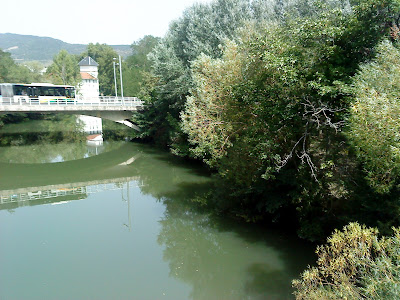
(224, 260)
(218, 258)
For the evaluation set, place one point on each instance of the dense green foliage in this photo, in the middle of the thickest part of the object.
(64, 69)
(12, 72)
(374, 127)
(354, 264)
(262, 92)
(137, 65)
(201, 29)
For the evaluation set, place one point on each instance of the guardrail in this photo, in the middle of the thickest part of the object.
(91, 101)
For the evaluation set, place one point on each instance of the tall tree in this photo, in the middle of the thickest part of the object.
(12, 72)
(37, 70)
(64, 69)
(374, 122)
(137, 64)
(201, 29)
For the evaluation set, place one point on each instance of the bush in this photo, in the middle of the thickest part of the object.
(354, 264)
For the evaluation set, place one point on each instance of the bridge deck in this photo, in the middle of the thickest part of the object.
(76, 104)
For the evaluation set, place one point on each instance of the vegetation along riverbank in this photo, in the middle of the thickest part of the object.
(295, 106)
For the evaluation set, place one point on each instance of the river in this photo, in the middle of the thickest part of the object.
(117, 221)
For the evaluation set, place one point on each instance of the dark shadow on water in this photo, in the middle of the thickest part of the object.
(268, 259)
(193, 166)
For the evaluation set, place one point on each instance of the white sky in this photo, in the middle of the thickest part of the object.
(112, 22)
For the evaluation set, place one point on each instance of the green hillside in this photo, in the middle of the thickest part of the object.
(29, 47)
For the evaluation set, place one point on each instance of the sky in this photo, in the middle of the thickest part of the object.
(113, 22)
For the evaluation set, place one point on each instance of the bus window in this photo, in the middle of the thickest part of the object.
(17, 90)
(44, 91)
(35, 92)
(20, 90)
(70, 92)
(60, 92)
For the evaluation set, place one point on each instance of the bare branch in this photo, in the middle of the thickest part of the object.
(321, 115)
(289, 156)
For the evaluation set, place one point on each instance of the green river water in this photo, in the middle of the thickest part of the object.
(117, 221)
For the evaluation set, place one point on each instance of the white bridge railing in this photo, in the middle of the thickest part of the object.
(54, 100)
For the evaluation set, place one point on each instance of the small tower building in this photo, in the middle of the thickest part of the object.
(88, 90)
(89, 86)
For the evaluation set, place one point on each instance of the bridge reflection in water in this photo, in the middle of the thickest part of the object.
(24, 185)
(62, 193)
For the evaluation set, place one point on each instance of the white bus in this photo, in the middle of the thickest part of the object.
(13, 93)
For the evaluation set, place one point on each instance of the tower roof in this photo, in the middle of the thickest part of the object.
(85, 75)
(88, 61)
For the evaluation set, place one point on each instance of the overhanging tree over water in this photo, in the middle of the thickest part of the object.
(261, 91)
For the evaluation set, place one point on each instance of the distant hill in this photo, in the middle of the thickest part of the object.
(30, 47)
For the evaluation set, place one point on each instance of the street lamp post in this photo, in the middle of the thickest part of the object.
(120, 75)
(115, 78)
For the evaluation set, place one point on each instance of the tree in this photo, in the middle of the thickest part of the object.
(201, 30)
(374, 122)
(137, 64)
(167, 87)
(64, 69)
(205, 119)
(12, 72)
(37, 70)
(354, 264)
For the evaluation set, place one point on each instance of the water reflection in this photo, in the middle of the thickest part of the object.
(47, 141)
(58, 152)
(209, 257)
(224, 260)
(61, 193)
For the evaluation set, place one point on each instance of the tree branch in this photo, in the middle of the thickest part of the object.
(320, 115)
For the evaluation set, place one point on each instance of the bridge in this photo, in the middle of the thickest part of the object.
(11, 199)
(117, 109)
